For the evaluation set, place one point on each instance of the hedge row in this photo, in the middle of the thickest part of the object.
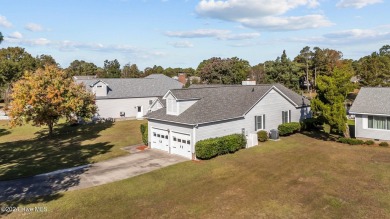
(289, 128)
(351, 141)
(209, 148)
(144, 132)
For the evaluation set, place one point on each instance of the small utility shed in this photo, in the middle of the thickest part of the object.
(128, 97)
(372, 113)
(194, 114)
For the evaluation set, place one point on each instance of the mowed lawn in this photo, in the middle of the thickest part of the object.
(297, 177)
(27, 150)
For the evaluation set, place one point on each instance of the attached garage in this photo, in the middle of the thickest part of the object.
(171, 142)
(160, 139)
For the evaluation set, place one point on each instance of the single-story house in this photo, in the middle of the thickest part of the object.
(372, 113)
(194, 114)
(128, 97)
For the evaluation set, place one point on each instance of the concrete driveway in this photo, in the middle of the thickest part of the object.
(136, 163)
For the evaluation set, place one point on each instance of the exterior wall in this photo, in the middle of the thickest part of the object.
(174, 106)
(271, 105)
(156, 106)
(111, 108)
(100, 91)
(184, 105)
(362, 130)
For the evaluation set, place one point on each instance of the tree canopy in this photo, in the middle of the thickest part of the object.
(224, 71)
(45, 95)
(14, 61)
(112, 69)
(329, 104)
(81, 67)
(1, 38)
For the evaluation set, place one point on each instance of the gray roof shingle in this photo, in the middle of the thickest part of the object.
(372, 100)
(221, 103)
(155, 86)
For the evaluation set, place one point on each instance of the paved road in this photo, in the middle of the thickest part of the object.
(112, 170)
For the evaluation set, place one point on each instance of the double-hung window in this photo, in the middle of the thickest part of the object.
(286, 116)
(260, 122)
(379, 122)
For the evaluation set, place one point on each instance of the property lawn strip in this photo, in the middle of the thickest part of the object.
(27, 151)
(296, 177)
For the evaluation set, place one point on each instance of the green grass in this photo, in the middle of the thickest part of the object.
(27, 150)
(351, 122)
(296, 177)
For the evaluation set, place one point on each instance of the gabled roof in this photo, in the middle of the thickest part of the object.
(154, 86)
(223, 102)
(372, 100)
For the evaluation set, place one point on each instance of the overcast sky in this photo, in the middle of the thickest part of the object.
(182, 33)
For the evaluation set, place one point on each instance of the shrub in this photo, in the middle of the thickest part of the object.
(262, 136)
(369, 142)
(309, 124)
(384, 144)
(289, 128)
(209, 148)
(144, 133)
(351, 141)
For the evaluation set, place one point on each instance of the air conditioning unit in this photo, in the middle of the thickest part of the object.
(274, 134)
(122, 114)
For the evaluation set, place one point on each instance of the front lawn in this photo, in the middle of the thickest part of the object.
(27, 150)
(296, 177)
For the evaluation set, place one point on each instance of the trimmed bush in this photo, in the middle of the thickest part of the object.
(144, 132)
(369, 142)
(209, 148)
(262, 136)
(351, 141)
(289, 128)
(384, 144)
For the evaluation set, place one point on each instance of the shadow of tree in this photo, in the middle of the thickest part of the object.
(320, 135)
(4, 132)
(43, 154)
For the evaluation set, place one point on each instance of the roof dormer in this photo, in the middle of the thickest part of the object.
(99, 88)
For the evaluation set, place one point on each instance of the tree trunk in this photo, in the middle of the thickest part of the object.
(346, 132)
(50, 128)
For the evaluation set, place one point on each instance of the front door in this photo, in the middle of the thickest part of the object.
(140, 112)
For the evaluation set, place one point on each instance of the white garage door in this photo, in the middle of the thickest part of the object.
(181, 144)
(160, 139)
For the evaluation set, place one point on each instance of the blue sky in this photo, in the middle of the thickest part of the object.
(182, 33)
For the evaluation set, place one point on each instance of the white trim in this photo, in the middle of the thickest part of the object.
(369, 114)
(167, 93)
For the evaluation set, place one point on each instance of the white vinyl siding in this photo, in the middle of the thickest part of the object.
(111, 108)
(362, 129)
(172, 108)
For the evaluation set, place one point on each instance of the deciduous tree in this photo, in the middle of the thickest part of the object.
(112, 69)
(44, 96)
(81, 67)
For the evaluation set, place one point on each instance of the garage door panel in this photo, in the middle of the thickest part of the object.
(160, 139)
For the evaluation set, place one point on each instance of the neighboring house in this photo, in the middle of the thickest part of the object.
(84, 77)
(194, 114)
(128, 97)
(372, 113)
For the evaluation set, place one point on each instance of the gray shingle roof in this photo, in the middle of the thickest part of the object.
(135, 87)
(221, 103)
(372, 100)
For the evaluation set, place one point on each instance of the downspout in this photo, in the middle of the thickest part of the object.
(194, 141)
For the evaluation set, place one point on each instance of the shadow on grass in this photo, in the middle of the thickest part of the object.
(321, 135)
(64, 149)
(4, 132)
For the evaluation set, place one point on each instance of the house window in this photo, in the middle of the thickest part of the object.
(379, 122)
(139, 109)
(99, 86)
(260, 122)
(286, 116)
(188, 142)
(171, 105)
(150, 102)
